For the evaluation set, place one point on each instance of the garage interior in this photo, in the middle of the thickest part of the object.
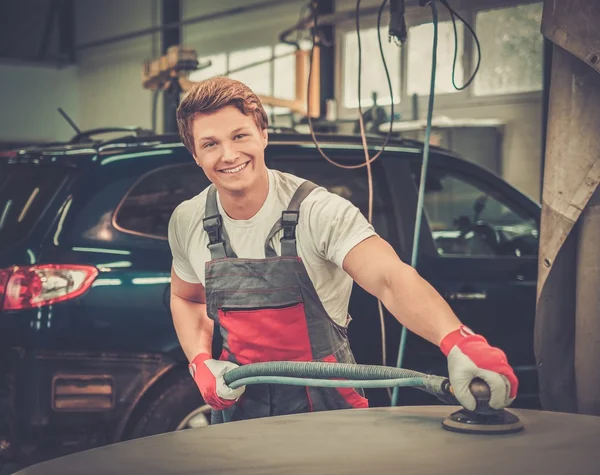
(517, 89)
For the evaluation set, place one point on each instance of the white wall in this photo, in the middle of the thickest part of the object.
(29, 98)
(110, 87)
(522, 139)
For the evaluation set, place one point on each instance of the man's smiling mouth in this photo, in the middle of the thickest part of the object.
(234, 170)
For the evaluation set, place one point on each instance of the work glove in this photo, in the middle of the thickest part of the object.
(208, 374)
(469, 357)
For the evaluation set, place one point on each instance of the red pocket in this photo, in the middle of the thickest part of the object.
(269, 334)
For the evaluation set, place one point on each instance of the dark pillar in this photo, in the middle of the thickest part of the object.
(48, 27)
(327, 67)
(171, 12)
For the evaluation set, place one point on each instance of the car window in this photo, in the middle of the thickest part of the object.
(25, 191)
(149, 204)
(350, 184)
(467, 218)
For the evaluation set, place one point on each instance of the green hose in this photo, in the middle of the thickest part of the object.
(329, 383)
(338, 375)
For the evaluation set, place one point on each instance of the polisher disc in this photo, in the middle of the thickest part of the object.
(467, 422)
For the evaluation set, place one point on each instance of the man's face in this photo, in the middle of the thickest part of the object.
(230, 148)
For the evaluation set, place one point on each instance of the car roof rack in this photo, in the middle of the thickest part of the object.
(85, 136)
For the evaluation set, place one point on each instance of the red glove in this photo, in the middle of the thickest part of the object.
(470, 356)
(208, 374)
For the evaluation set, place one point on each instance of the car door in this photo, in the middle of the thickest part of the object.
(480, 253)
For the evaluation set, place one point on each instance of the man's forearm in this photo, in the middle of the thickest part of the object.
(418, 306)
(193, 326)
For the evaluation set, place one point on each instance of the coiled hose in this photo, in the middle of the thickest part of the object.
(338, 375)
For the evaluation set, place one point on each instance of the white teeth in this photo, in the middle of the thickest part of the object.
(236, 169)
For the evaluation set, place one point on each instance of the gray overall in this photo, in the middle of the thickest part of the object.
(268, 310)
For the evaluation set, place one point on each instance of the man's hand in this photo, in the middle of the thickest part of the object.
(470, 356)
(208, 374)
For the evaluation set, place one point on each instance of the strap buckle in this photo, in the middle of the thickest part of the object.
(289, 220)
(212, 222)
(212, 225)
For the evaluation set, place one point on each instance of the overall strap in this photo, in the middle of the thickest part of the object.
(213, 225)
(288, 222)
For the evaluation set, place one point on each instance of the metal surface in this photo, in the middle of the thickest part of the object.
(573, 25)
(407, 440)
(567, 328)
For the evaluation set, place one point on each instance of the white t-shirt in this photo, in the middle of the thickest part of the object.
(328, 228)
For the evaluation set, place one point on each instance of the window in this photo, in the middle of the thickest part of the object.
(350, 184)
(275, 78)
(284, 85)
(149, 204)
(284, 71)
(420, 49)
(468, 220)
(373, 78)
(218, 67)
(25, 191)
(511, 50)
(258, 78)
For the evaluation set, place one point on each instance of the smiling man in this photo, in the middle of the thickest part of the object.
(271, 258)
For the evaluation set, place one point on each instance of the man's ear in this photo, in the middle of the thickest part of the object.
(265, 136)
(198, 161)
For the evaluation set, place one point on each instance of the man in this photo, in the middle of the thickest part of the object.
(271, 258)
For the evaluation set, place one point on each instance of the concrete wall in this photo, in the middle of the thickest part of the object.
(103, 89)
(109, 77)
(29, 98)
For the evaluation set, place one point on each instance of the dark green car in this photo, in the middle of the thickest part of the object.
(88, 353)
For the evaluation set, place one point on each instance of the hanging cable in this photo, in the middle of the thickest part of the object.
(454, 14)
(423, 178)
(309, 118)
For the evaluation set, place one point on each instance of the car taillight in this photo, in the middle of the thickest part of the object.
(35, 286)
(4, 275)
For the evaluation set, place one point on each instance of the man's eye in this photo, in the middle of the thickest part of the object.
(240, 136)
(209, 144)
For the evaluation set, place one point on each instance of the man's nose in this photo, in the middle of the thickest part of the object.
(229, 152)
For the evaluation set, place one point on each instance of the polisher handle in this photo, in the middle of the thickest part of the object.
(481, 392)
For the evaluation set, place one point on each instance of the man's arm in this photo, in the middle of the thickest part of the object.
(193, 326)
(375, 266)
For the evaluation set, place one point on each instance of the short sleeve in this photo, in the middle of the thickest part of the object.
(176, 235)
(336, 226)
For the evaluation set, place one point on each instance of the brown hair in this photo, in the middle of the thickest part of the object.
(214, 94)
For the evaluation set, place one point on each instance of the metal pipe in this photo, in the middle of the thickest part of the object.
(189, 21)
